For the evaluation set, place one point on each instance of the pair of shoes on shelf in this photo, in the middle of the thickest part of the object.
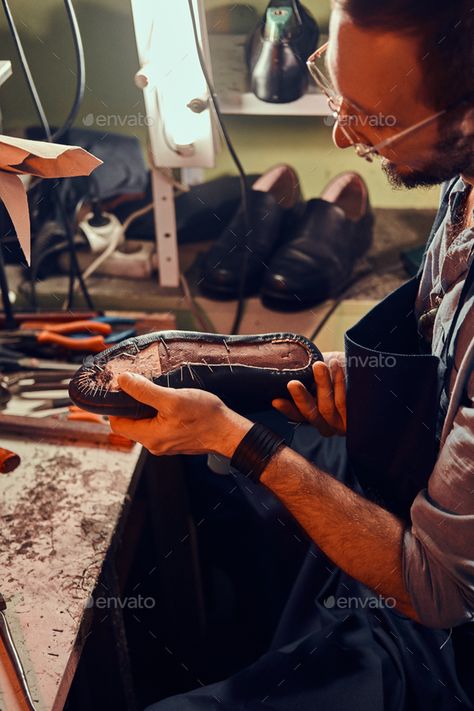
(271, 205)
(298, 254)
(246, 372)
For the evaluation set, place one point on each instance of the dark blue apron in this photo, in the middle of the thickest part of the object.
(323, 657)
(397, 397)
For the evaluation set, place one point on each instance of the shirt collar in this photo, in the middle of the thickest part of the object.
(457, 197)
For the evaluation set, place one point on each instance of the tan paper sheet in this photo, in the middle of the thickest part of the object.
(42, 159)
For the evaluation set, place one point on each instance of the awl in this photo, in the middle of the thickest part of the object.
(9, 644)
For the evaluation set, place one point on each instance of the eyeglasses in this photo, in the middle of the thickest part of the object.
(347, 113)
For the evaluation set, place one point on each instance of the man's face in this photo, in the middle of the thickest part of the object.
(383, 74)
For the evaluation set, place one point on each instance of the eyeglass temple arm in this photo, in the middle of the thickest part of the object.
(407, 131)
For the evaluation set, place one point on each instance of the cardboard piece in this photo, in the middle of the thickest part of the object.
(42, 159)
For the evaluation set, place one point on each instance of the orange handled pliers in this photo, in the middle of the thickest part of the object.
(60, 335)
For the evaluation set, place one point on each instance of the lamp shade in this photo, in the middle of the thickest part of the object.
(172, 80)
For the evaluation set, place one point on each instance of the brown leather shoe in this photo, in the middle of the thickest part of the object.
(246, 372)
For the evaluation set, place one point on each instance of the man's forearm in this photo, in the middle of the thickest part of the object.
(357, 535)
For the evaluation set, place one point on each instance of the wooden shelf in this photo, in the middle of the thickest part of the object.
(230, 79)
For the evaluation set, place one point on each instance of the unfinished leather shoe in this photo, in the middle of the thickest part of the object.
(318, 258)
(278, 50)
(246, 372)
(270, 202)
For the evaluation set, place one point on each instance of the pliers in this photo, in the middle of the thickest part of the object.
(86, 326)
(61, 335)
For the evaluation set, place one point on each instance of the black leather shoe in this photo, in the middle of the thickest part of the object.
(317, 260)
(246, 372)
(278, 50)
(270, 203)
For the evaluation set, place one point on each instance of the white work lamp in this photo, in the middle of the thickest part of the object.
(178, 109)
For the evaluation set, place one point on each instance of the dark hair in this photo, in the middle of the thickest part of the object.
(446, 32)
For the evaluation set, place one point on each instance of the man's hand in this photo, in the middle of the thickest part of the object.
(188, 421)
(327, 409)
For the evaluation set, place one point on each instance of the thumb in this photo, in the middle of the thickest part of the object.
(142, 389)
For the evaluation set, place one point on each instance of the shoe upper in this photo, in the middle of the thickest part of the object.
(278, 49)
(323, 246)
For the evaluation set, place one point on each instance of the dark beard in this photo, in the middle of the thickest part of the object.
(454, 157)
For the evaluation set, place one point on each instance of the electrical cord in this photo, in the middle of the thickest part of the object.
(110, 249)
(80, 68)
(74, 266)
(200, 317)
(26, 70)
(80, 64)
(238, 164)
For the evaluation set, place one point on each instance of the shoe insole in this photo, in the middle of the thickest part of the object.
(163, 357)
(282, 182)
(348, 197)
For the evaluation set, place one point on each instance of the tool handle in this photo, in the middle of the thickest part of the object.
(54, 428)
(84, 326)
(94, 344)
(9, 461)
(80, 415)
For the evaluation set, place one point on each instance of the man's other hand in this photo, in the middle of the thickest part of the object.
(327, 409)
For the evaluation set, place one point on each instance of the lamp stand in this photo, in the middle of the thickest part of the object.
(165, 228)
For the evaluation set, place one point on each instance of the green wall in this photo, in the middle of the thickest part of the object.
(111, 62)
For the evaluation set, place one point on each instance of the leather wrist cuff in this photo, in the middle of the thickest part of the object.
(255, 451)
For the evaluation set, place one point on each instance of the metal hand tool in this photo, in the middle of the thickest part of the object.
(108, 321)
(12, 651)
(12, 360)
(60, 335)
(23, 383)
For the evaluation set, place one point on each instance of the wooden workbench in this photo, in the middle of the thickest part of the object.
(58, 513)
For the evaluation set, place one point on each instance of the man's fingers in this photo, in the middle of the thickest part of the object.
(324, 391)
(133, 429)
(287, 409)
(142, 389)
(339, 383)
(303, 400)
